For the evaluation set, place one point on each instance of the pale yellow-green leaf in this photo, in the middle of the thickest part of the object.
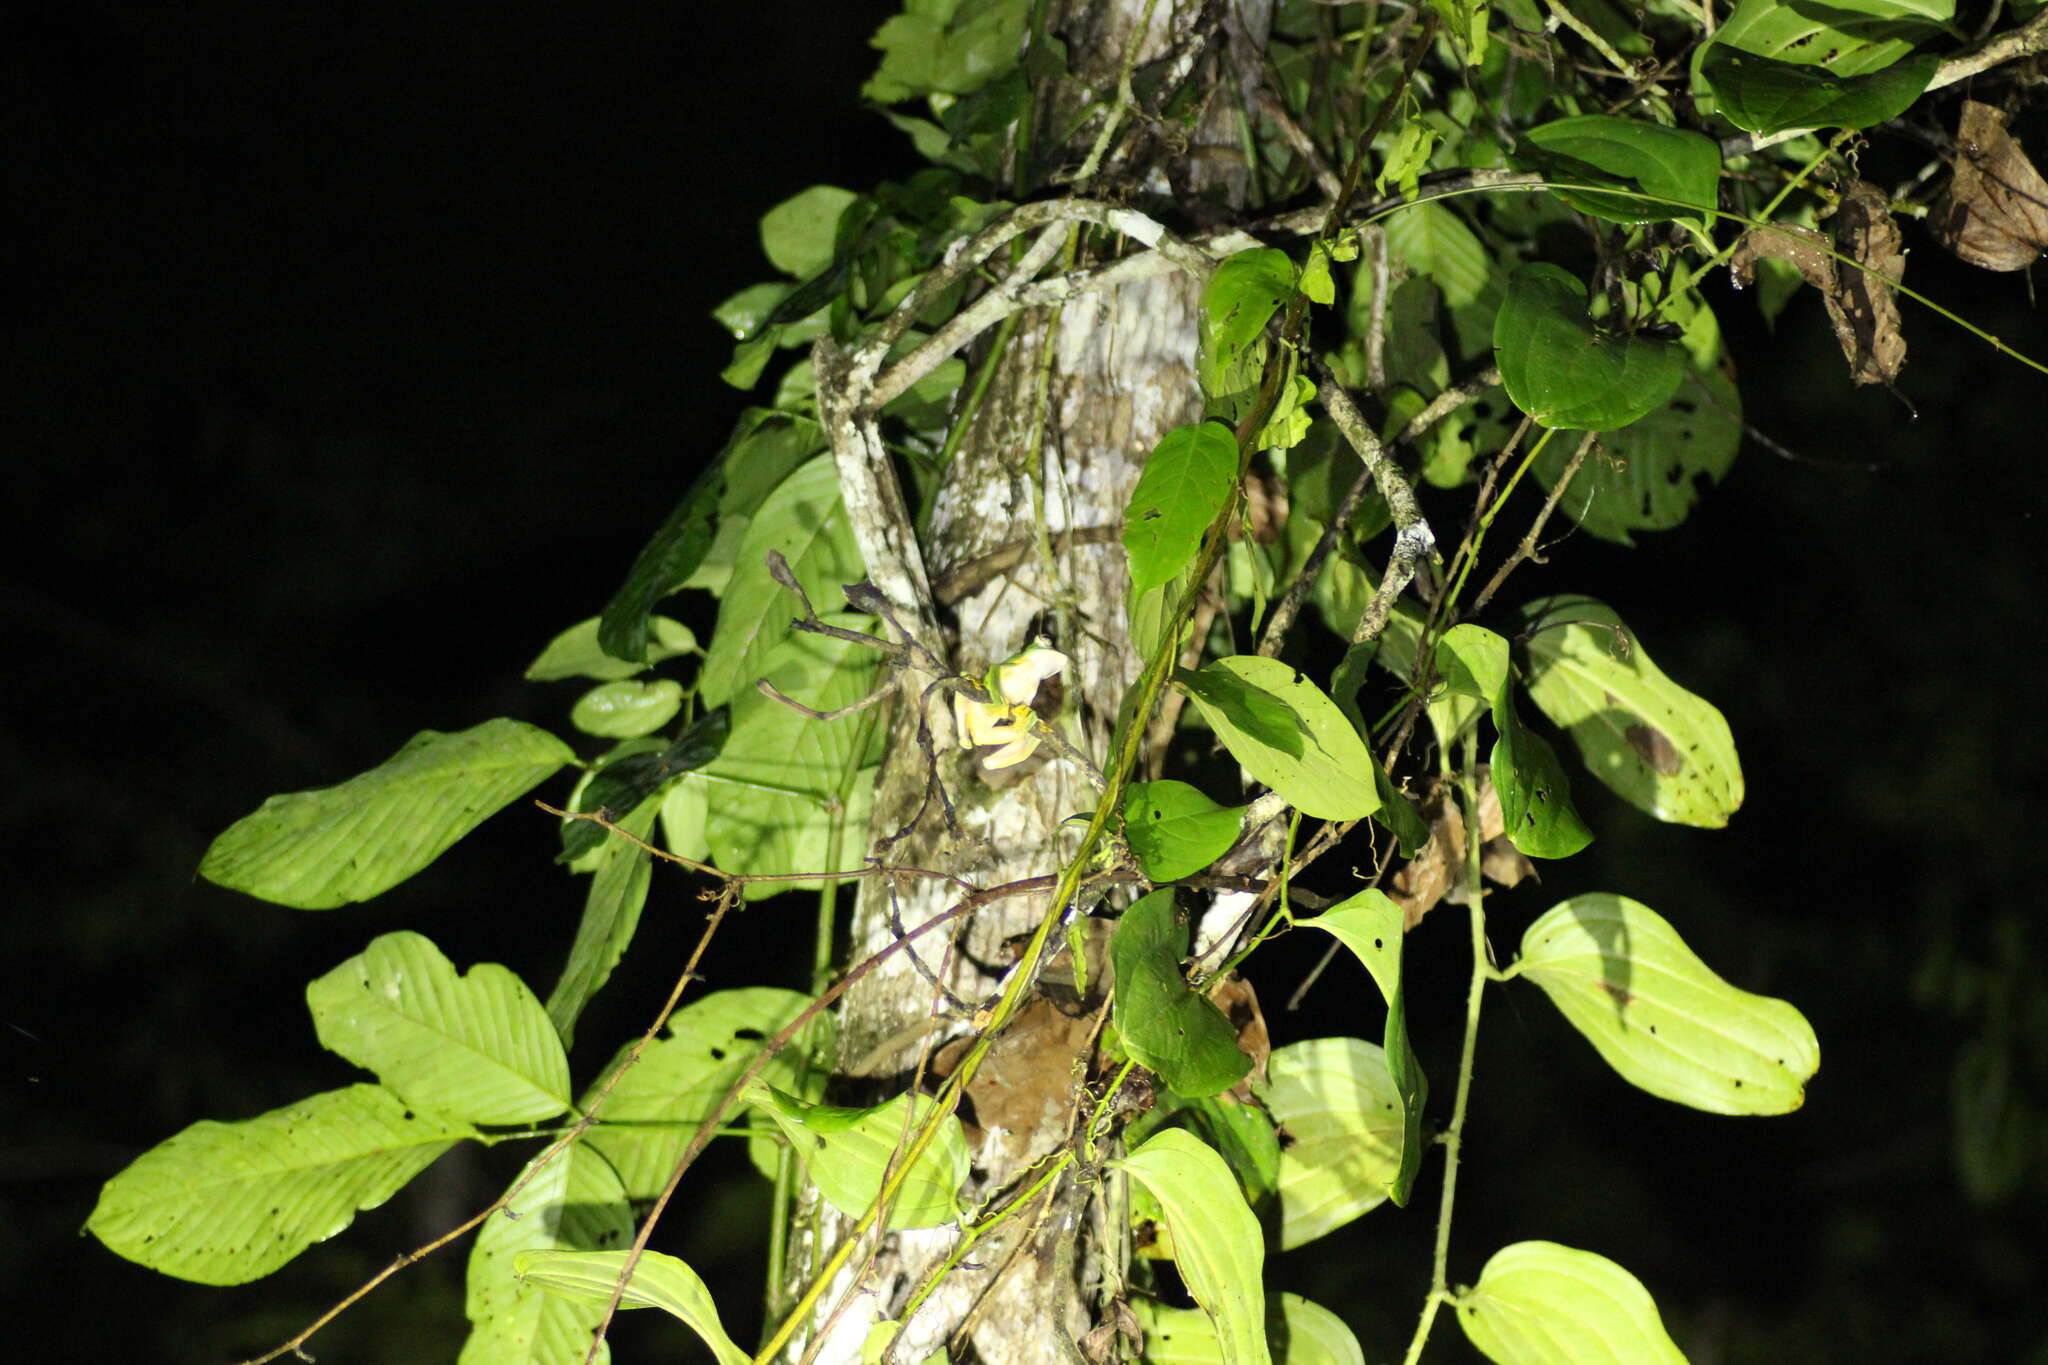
(575, 653)
(314, 850)
(1342, 1114)
(656, 1106)
(627, 708)
(1661, 748)
(574, 1203)
(619, 879)
(805, 522)
(1322, 769)
(1538, 1303)
(1660, 1017)
(1185, 1336)
(1372, 927)
(1216, 1240)
(226, 1203)
(851, 1150)
(478, 1046)
(659, 1281)
(790, 793)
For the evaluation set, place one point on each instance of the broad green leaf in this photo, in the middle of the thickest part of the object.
(1175, 830)
(1565, 371)
(1848, 37)
(1237, 303)
(476, 1046)
(1433, 241)
(1303, 747)
(1538, 1303)
(314, 850)
(697, 545)
(1217, 1245)
(575, 653)
(1662, 749)
(946, 47)
(1473, 662)
(1645, 477)
(659, 1281)
(1185, 484)
(226, 1203)
(1660, 1017)
(1343, 1118)
(621, 785)
(611, 912)
(1162, 1021)
(1301, 1333)
(1535, 795)
(1241, 1133)
(628, 708)
(657, 1104)
(798, 234)
(746, 313)
(803, 519)
(848, 1151)
(1371, 926)
(1767, 96)
(574, 1203)
(1677, 171)
(790, 792)
(683, 812)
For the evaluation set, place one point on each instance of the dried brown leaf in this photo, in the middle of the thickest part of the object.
(1802, 248)
(1995, 213)
(1438, 870)
(1863, 309)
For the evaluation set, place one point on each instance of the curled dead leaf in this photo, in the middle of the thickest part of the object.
(1240, 1005)
(1995, 212)
(1438, 870)
(1860, 301)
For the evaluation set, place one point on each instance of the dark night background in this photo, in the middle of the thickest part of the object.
(352, 350)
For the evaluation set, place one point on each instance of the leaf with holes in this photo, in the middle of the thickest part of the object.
(1676, 171)
(659, 1281)
(1662, 749)
(1185, 484)
(1646, 476)
(1564, 370)
(314, 850)
(1538, 1303)
(476, 1046)
(1163, 1022)
(1240, 299)
(1660, 1017)
(226, 1203)
(1535, 795)
(1175, 830)
(1216, 1241)
(1342, 1115)
(849, 1151)
(1847, 37)
(1287, 733)
(574, 1203)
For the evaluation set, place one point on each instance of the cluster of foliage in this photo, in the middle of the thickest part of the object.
(1516, 305)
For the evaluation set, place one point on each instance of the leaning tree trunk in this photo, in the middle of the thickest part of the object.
(1023, 539)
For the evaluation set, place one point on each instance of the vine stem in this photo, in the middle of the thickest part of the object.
(1475, 996)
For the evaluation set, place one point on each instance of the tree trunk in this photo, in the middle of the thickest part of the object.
(1039, 485)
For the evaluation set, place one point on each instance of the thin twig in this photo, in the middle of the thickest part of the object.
(1527, 550)
(1412, 537)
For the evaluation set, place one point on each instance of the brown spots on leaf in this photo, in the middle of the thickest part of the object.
(1995, 213)
(1655, 748)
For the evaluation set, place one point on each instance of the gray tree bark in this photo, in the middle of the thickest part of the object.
(1023, 538)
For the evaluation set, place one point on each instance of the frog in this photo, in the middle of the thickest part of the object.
(1007, 721)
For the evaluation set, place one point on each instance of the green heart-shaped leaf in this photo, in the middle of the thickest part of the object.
(1672, 172)
(1566, 371)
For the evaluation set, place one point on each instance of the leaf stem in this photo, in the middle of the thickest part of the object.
(1475, 996)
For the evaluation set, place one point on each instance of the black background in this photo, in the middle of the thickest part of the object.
(352, 351)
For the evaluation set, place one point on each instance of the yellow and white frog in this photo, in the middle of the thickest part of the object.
(1008, 720)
